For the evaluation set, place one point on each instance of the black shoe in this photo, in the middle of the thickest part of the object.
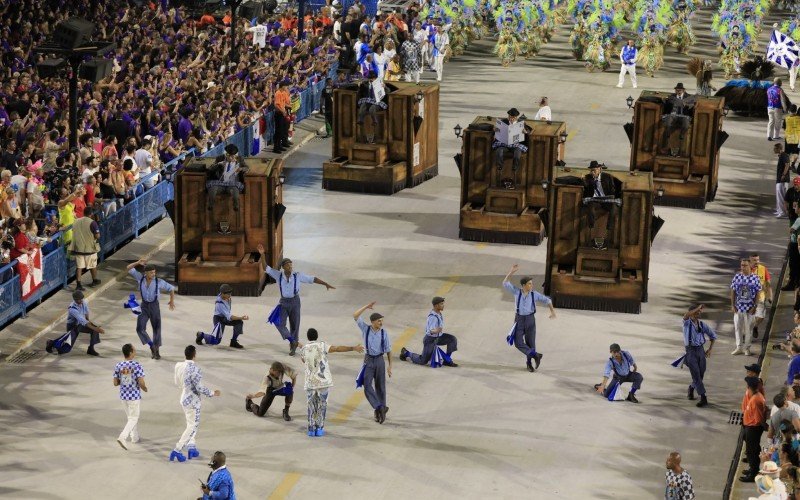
(292, 348)
(95, 283)
(403, 353)
(286, 415)
(278, 151)
(199, 339)
(560, 163)
(49, 346)
(152, 352)
(247, 403)
(690, 395)
(235, 209)
(79, 287)
(788, 288)
(382, 414)
(92, 352)
(748, 479)
(744, 460)
(530, 366)
(236, 344)
(631, 398)
(378, 416)
(158, 354)
(537, 358)
(755, 332)
(703, 402)
(450, 364)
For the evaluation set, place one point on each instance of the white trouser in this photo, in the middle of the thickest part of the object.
(774, 124)
(627, 68)
(743, 329)
(413, 76)
(780, 192)
(132, 427)
(439, 66)
(192, 423)
(792, 76)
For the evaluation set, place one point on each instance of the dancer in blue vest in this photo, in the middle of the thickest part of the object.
(525, 299)
(149, 289)
(694, 339)
(376, 343)
(434, 336)
(77, 322)
(289, 288)
(628, 57)
(222, 318)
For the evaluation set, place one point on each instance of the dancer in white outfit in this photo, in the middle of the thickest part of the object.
(189, 377)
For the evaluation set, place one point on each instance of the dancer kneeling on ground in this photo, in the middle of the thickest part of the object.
(222, 318)
(273, 385)
(434, 336)
(622, 364)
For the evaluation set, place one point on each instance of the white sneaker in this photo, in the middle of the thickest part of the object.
(634, 86)
(747, 352)
(619, 86)
(737, 351)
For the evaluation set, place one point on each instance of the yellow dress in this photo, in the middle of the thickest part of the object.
(66, 217)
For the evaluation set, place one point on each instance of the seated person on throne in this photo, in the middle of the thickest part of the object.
(226, 176)
(510, 140)
(371, 96)
(600, 195)
(678, 111)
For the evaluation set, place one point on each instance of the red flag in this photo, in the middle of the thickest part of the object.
(29, 268)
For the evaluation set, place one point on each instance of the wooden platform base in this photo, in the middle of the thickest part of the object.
(197, 277)
(478, 225)
(340, 175)
(692, 193)
(427, 174)
(624, 293)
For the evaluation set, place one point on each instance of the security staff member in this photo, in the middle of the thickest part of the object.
(219, 485)
(525, 299)
(283, 107)
(149, 289)
(622, 364)
(77, 322)
(434, 336)
(289, 288)
(377, 343)
(222, 318)
(694, 338)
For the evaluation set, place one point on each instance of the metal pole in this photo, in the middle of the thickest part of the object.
(301, 24)
(74, 62)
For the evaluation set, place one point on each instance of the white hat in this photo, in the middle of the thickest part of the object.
(147, 138)
(769, 467)
(210, 84)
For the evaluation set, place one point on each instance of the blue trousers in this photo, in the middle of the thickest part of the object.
(696, 361)
(525, 334)
(212, 339)
(151, 312)
(375, 380)
(429, 344)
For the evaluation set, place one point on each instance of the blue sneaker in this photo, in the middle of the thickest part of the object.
(193, 453)
(178, 455)
(312, 433)
(320, 432)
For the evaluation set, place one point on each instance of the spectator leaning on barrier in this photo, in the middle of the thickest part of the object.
(85, 246)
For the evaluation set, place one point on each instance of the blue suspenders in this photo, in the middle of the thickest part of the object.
(280, 280)
(533, 302)
(439, 323)
(366, 340)
(141, 292)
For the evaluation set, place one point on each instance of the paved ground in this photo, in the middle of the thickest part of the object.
(488, 429)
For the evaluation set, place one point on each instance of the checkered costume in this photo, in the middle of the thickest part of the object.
(128, 372)
(746, 289)
(679, 486)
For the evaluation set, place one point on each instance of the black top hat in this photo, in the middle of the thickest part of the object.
(680, 87)
(596, 164)
(513, 112)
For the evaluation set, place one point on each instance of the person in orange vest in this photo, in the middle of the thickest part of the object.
(283, 106)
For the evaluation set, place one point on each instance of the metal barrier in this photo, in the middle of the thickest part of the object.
(129, 220)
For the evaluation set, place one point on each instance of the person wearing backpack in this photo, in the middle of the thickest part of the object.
(149, 289)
